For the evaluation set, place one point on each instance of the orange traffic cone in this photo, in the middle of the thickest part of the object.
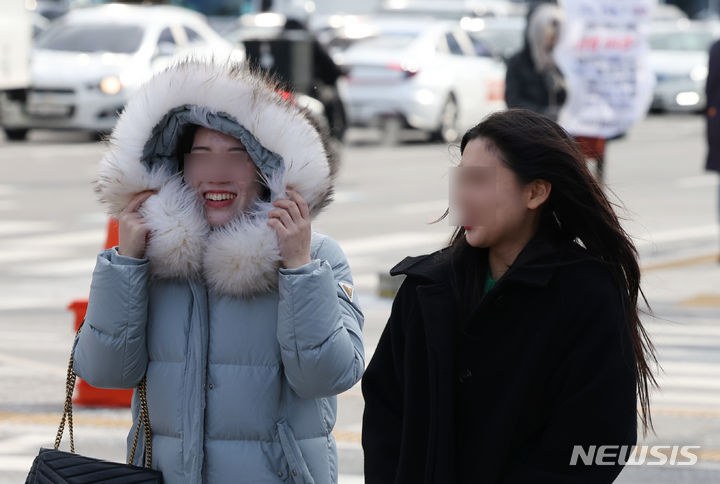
(84, 393)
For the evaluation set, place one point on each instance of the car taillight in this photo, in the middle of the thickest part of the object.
(495, 89)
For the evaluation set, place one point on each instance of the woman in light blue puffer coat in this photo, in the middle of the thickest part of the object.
(245, 321)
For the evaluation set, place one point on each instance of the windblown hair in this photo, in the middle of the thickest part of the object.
(534, 147)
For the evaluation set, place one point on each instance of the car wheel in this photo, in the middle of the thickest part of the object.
(448, 130)
(16, 134)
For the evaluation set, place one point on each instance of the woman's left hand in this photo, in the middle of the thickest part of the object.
(291, 221)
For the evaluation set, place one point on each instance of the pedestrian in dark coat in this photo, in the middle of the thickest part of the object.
(533, 80)
(712, 93)
(521, 339)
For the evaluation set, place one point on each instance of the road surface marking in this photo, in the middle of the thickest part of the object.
(676, 235)
(14, 227)
(683, 262)
(702, 300)
(709, 180)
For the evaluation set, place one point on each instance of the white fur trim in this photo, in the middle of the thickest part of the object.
(178, 231)
(242, 258)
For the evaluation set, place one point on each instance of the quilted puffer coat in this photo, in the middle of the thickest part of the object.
(244, 359)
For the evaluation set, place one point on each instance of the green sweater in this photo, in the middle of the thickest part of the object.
(489, 282)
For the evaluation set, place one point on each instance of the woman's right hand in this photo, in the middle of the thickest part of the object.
(132, 231)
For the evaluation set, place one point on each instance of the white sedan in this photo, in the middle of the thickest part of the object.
(88, 62)
(423, 74)
(679, 57)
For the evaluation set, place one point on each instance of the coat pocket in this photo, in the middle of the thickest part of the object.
(299, 471)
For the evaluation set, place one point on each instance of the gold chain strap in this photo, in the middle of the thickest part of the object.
(144, 421)
(143, 417)
(67, 408)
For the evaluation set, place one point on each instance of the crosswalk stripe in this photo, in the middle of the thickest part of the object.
(15, 463)
(13, 227)
(59, 239)
(26, 256)
(21, 443)
(66, 267)
(685, 382)
(684, 397)
(392, 241)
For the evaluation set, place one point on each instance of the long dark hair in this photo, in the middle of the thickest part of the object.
(577, 210)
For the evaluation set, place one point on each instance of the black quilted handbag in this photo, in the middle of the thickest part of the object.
(53, 466)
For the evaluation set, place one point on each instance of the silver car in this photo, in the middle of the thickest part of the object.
(88, 62)
(427, 75)
(679, 57)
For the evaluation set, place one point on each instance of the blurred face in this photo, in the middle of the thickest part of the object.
(490, 201)
(220, 169)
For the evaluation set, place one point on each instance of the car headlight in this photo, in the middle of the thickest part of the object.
(688, 98)
(111, 85)
(425, 97)
(699, 73)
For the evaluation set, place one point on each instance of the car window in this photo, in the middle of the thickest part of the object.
(117, 39)
(166, 36)
(503, 42)
(453, 44)
(466, 44)
(192, 36)
(480, 47)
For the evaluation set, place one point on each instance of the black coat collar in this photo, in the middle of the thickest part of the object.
(534, 266)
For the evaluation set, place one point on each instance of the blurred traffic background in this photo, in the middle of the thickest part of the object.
(395, 83)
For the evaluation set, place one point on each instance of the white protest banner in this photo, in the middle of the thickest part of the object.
(604, 56)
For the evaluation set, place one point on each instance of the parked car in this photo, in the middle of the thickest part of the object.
(88, 62)
(425, 74)
(679, 57)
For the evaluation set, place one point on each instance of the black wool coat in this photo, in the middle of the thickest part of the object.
(525, 87)
(712, 92)
(542, 363)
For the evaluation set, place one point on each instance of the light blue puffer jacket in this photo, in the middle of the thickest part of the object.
(239, 390)
(243, 359)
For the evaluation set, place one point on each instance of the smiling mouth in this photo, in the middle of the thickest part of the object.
(219, 196)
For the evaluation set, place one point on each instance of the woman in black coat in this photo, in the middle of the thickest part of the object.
(521, 339)
(712, 92)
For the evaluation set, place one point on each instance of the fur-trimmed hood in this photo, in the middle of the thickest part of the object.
(241, 258)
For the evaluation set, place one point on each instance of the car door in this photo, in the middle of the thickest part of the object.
(464, 75)
(481, 82)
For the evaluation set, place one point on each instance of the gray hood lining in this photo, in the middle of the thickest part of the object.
(161, 147)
